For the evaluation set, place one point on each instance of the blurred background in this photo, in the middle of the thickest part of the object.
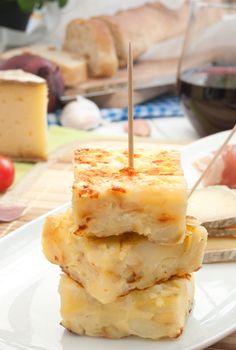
(172, 39)
(48, 29)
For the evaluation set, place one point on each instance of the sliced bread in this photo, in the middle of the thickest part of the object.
(144, 26)
(92, 39)
(73, 69)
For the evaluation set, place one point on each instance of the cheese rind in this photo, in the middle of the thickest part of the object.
(18, 76)
(214, 206)
(112, 266)
(157, 312)
(220, 249)
(23, 115)
(222, 232)
(109, 198)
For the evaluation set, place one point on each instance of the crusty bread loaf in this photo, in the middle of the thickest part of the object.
(92, 39)
(177, 19)
(73, 69)
(144, 26)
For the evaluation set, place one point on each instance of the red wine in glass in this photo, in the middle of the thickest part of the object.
(208, 96)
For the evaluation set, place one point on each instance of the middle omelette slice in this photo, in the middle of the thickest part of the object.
(112, 266)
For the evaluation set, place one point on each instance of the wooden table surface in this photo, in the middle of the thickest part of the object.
(48, 185)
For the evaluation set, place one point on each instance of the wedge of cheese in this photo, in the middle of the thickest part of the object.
(215, 207)
(109, 198)
(220, 249)
(112, 266)
(23, 115)
(156, 312)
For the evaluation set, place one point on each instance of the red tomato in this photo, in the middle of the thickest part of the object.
(7, 173)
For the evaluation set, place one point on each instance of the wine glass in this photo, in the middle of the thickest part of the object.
(206, 79)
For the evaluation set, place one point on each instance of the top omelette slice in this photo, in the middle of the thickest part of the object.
(109, 198)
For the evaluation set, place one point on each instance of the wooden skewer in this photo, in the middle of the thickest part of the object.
(213, 160)
(130, 107)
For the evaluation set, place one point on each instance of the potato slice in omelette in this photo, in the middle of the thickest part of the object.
(109, 198)
(156, 312)
(112, 266)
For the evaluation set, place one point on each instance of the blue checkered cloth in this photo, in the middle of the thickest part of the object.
(160, 107)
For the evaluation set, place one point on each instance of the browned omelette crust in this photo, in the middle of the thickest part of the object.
(154, 169)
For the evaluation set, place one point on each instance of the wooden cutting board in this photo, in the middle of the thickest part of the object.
(48, 185)
(160, 76)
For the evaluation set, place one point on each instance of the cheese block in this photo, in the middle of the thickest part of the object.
(23, 115)
(156, 312)
(215, 207)
(112, 266)
(73, 69)
(109, 198)
(221, 249)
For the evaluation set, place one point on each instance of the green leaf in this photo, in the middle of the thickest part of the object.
(62, 3)
(39, 3)
(29, 5)
(26, 5)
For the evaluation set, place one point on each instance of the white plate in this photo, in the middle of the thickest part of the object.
(199, 149)
(29, 302)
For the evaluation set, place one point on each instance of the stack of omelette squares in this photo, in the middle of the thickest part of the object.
(126, 248)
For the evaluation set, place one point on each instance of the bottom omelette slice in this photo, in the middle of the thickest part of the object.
(156, 312)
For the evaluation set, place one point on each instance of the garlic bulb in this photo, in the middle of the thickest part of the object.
(81, 114)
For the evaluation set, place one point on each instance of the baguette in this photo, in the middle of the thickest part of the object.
(92, 39)
(144, 26)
